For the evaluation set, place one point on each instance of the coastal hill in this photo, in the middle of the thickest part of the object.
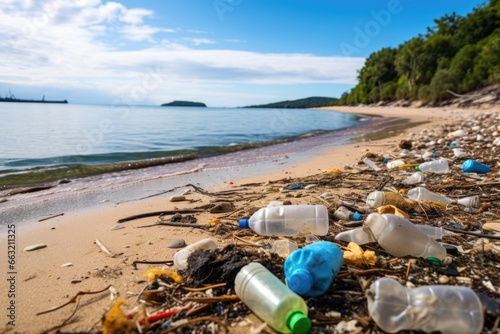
(309, 102)
(456, 56)
(183, 104)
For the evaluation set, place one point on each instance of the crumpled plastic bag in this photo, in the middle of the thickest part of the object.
(355, 256)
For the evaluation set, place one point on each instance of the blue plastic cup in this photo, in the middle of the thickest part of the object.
(472, 166)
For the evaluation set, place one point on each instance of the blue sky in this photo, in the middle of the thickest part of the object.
(222, 52)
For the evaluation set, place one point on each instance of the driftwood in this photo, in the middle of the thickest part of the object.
(157, 213)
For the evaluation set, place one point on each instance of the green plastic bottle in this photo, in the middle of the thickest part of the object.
(271, 300)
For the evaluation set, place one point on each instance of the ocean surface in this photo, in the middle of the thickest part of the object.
(47, 142)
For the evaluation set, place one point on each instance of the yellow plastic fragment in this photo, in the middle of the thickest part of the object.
(116, 321)
(333, 171)
(214, 221)
(392, 210)
(153, 274)
(356, 256)
(402, 191)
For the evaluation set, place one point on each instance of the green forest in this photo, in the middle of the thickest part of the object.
(457, 54)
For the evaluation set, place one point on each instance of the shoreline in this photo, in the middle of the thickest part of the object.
(45, 283)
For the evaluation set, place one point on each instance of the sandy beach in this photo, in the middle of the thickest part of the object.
(73, 262)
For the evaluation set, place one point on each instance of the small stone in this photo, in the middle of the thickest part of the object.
(443, 279)
(177, 243)
(117, 227)
(67, 264)
(309, 186)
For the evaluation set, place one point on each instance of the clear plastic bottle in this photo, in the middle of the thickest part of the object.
(439, 166)
(360, 235)
(470, 202)
(181, 256)
(422, 194)
(377, 198)
(271, 300)
(400, 237)
(344, 213)
(371, 164)
(363, 235)
(289, 220)
(433, 308)
(417, 177)
(309, 271)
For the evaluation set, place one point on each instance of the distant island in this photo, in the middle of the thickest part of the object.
(309, 102)
(184, 104)
(12, 98)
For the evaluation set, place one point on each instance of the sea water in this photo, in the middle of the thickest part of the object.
(46, 142)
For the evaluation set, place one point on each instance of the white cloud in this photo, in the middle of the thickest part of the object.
(199, 41)
(64, 46)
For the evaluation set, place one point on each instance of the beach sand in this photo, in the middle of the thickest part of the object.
(42, 282)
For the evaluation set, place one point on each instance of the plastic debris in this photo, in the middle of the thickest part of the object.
(154, 274)
(356, 256)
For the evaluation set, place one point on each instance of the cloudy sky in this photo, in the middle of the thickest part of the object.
(221, 52)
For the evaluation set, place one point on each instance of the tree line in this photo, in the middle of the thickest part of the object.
(458, 54)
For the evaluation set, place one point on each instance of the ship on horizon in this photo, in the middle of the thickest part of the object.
(12, 98)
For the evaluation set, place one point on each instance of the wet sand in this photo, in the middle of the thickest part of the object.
(42, 281)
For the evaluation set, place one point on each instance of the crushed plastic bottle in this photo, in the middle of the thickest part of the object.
(344, 213)
(309, 271)
(288, 220)
(271, 300)
(181, 256)
(422, 194)
(417, 177)
(434, 308)
(439, 166)
(377, 198)
(398, 236)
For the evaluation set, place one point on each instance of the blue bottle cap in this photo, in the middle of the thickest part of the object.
(453, 144)
(243, 223)
(385, 160)
(300, 281)
(298, 322)
(434, 155)
(357, 216)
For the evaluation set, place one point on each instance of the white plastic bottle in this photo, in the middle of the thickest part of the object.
(422, 194)
(400, 237)
(363, 235)
(181, 256)
(271, 300)
(417, 177)
(433, 308)
(439, 166)
(289, 220)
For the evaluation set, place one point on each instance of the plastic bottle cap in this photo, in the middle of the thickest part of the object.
(298, 322)
(300, 281)
(417, 168)
(357, 216)
(434, 260)
(243, 223)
